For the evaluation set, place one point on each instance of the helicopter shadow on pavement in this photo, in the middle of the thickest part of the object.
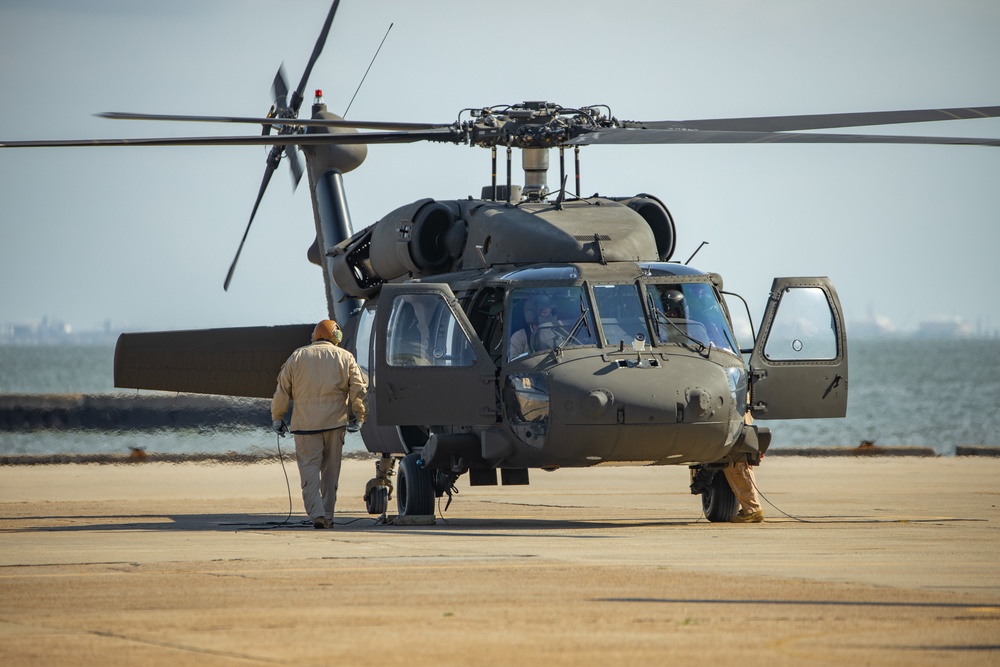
(480, 526)
(230, 522)
(505, 526)
(227, 522)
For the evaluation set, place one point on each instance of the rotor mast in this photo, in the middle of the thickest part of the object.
(326, 167)
(535, 163)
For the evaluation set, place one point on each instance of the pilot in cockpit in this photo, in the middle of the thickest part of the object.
(538, 311)
(673, 304)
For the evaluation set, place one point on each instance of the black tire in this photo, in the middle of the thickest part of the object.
(378, 500)
(414, 487)
(719, 502)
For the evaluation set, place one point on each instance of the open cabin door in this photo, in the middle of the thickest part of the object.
(430, 367)
(798, 369)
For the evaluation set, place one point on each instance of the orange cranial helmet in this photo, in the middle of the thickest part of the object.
(328, 330)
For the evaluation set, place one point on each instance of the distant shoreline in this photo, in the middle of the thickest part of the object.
(128, 411)
(139, 456)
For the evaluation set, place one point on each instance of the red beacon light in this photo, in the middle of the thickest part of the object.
(319, 97)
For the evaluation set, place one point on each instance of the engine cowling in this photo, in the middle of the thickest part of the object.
(658, 217)
(430, 236)
(423, 237)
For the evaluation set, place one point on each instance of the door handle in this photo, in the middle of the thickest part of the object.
(835, 383)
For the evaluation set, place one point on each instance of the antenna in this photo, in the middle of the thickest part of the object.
(562, 193)
(703, 243)
(368, 70)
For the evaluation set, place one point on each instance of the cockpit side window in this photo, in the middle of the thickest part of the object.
(689, 311)
(486, 317)
(364, 337)
(803, 327)
(423, 331)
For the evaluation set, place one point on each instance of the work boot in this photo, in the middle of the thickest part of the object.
(748, 517)
(320, 523)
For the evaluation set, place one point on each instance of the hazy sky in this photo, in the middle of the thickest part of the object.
(143, 237)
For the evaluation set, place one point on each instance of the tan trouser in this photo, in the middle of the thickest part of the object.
(318, 456)
(740, 477)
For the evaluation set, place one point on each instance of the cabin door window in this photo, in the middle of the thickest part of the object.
(423, 331)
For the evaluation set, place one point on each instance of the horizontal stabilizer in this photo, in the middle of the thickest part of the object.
(240, 361)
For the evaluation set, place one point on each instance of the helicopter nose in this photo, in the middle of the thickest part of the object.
(677, 390)
(675, 410)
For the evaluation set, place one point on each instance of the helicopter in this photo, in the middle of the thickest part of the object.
(631, 356)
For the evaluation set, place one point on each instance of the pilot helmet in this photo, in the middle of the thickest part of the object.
(535, 305)
(673, 303)
(328, 330)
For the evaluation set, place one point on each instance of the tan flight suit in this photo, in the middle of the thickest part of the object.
(739, 474)
(322, 380)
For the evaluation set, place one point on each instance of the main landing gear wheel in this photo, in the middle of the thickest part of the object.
(377, 500)
(718, 501)
(414, 487)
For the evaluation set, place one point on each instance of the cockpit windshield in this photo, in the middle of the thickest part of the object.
(622, 318)
(544, 318)
(685, 313)
(689, 312)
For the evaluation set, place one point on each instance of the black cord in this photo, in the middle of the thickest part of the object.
(304, 522)
(441, 512)
(765, 498)
(354, 520)
(288, 486)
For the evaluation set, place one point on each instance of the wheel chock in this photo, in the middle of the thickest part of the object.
(410, 520)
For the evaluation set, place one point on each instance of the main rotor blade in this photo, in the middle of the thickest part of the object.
(444, 135)
(819, 121)
(279, 89)
(304, 122)
(294, 164)
(296, 100)
(624, 136)
(612, 135)
(268, 171)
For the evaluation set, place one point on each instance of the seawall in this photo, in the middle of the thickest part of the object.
(115, 412)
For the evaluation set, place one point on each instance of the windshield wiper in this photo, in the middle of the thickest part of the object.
(572, 332)
(583, 312)
(666, 320)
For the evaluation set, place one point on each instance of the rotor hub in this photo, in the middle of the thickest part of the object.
(533, 124)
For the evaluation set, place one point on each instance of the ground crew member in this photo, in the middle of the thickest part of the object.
(323, 380)
(739, 474)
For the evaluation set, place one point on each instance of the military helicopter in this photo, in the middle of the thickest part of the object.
(526, 328)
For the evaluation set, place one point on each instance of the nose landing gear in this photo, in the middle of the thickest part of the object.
(717, 498)
(378, 491)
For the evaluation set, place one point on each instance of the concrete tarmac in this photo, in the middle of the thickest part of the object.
(892, 561)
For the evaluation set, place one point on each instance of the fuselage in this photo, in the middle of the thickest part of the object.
(611, 371)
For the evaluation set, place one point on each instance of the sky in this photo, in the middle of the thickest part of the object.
(141, 238)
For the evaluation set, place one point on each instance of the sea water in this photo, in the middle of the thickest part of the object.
(938, 394)
(930, 393)
(89, 369)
